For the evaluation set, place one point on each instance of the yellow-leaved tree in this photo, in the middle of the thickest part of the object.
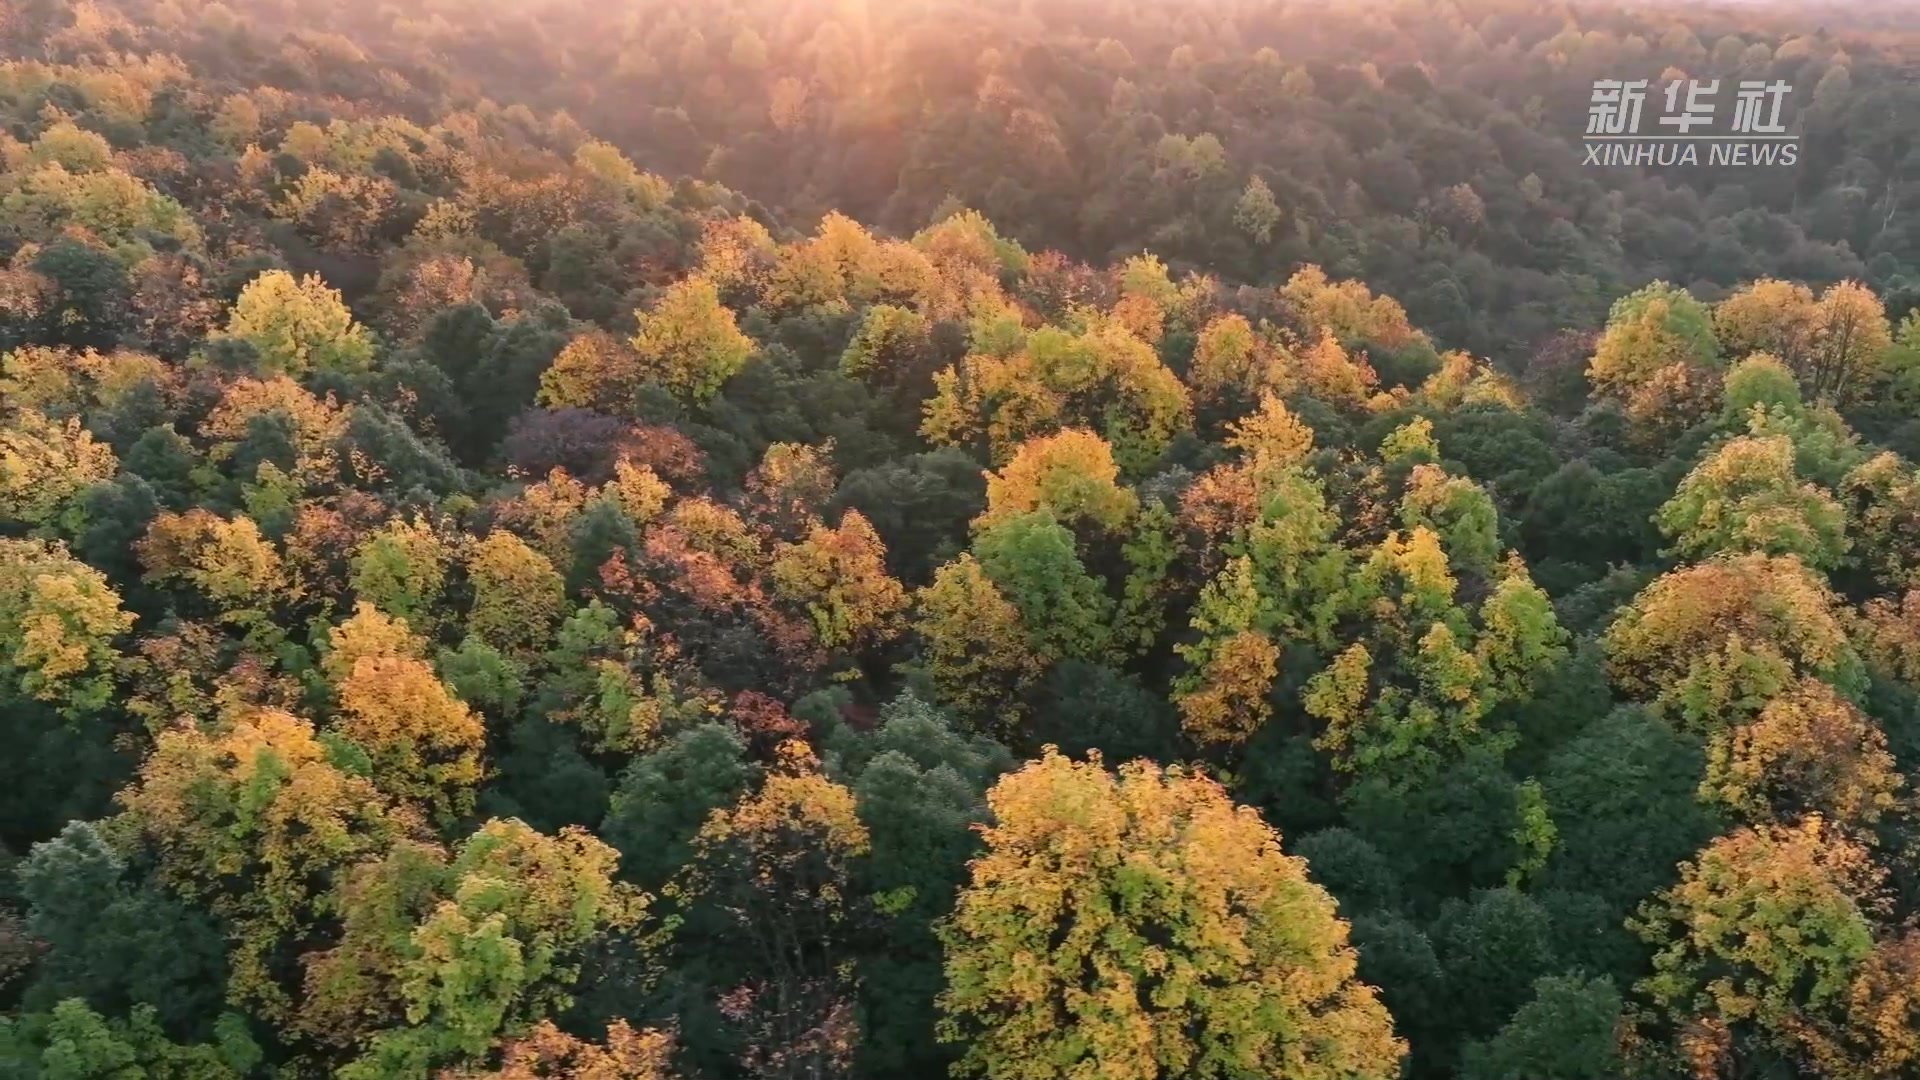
(1809, 750)
(45, 463)
(689, 342)
(1710, 645)
(58, 621)
(424, 745)
(517, 594)
(252, 822)
(976, 649)
(549, 1053)
(297, 326)
(1763, 947)
(1139, 925)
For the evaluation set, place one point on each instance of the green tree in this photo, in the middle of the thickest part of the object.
(73, 1042)
(1491, 948)
(1256, 213)
(1569, 1031)
(454, 952)
(115, 941)
(1032, 561)
(1623, 794)
(666, 795)
(920, 803)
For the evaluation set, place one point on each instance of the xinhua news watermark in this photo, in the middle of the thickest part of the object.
(1686, 134)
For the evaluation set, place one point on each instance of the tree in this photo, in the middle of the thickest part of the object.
(313, 428)
(1766, 927)
(45, 463)
(226, 560)
(621, 684)
(1352, 870)
(667, 794)
(1763, 380)
(1344, 310)
(547, 1053)
(1031, 560)
(1624, 798)
(894, 346)
(1231, 362)
(608, 165)
(1889, 636)
(1418, 686)
(1851, 336)
(342, 213)
(1657, 356)
(298, 327)
(839, 576)
(74, 1041)
(75, 148)
(976, 646)
(88, 294)
(546, 512)
(919, 816)
(1230, 699)
(1256, 213)
(58, 622)
(1071, 474)
(1710, 645)
(1223, 696)
(1334, 375)
(777, 865)
(518, 596)
(109, 208)
(1770, 316)
(919, 506)
(1808, 751)
(1054, 963)
(251, 823)
(423, 743)
(1271, 437)
(116, 941)
(1491, 947)
(689, 343)
(1017, 385)
(1746, 497)
(788, 489)
(456, 951)
(595, 371)
(1457, 510)
(1569, 1031)
(1882, 497)
(402, 571)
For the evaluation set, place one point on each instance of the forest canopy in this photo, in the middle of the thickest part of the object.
(1032, 541)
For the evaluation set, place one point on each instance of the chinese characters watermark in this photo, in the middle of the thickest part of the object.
(1757, 134)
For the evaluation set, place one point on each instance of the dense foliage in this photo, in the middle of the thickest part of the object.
(1065, 542)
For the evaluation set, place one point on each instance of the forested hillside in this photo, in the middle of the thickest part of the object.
(1044, 541)
(1429, 148)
